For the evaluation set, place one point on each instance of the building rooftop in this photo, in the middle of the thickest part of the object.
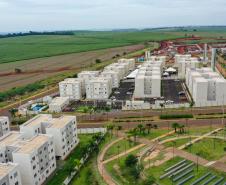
(29, 146)
(6, 168)
(37, 120)
(10, 139)
(61, 122)
(3, 118)
(72, 80)
(59, 100)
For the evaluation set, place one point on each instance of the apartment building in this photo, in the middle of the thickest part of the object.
(207, 88)
(58, 104)
(9, 174)
(148, 82)
(88, 75)
(63, 130)
(99, 88)
(121, 69)
(185, 61)
(35, 156)
(130, 63)
(74, 88)
(114, 75)
(4, 125)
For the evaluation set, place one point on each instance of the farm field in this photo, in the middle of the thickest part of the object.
(28, 47)
(42, 68)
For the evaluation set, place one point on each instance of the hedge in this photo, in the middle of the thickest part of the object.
(173, 116)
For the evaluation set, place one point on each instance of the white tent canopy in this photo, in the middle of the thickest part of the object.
(170, 70)
(165, 74)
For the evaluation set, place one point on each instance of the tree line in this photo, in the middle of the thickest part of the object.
(37, 33)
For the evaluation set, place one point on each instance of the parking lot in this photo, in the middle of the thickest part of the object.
(125, 91)
(172, 90)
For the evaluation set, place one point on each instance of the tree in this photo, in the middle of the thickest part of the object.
(110, 128)
(118, 128)
(98, 61)
(181, 127)
(131, 160)
(149, 126)
(175, 126)
(140, 127)
(13, 112)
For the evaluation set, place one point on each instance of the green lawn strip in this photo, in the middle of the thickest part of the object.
(177, 143)
(153, 133)
(210, 149)
(115, 168)
(61, 172)
(160, 156)
(157, 171)
(119, 147)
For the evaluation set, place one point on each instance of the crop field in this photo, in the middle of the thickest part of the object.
(28, 47)
(41, 68)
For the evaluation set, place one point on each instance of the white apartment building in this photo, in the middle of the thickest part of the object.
(185, 61)
(88, 75)
(129, 62)
(9, 174)
(114, 75)
(74, 88)
(58, 104)
(35, 157)
(63, 130)
(99, 88)
(148, 82)
(4, 125)
(207, 88)
(120, 68)
(149, 57)
(179, 57)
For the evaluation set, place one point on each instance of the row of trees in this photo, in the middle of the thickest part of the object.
(4, 96)
(37, 33)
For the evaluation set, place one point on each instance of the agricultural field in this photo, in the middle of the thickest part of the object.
(37, 69)
(28, 47)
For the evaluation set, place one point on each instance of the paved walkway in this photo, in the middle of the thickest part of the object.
(107, 178)
(199, 138)
(124, 153)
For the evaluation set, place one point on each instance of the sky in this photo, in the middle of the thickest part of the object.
(48, 15)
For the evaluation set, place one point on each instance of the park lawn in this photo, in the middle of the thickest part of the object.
(119, 147)
(36, 46)
(210, 149)
(157, 171)
(153, 133)
(61, 172)
(177, 143)
(115, 168)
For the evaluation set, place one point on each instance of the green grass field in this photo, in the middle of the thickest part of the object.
(210, 149)
(28, 47)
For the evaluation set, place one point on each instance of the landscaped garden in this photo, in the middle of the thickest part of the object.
(210, 149)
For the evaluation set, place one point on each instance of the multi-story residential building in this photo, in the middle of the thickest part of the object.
(63, 130)
(114, 75)
(99, 88)
(88, 75)
(148, 80)
(58, 104)
(4, 125)
(185, 61)
(9, 174)
(129, 62)
(121, 69)
(207, 88)
(74, 88)
(35, 157)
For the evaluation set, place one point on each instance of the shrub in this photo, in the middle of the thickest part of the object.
(173, 116)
